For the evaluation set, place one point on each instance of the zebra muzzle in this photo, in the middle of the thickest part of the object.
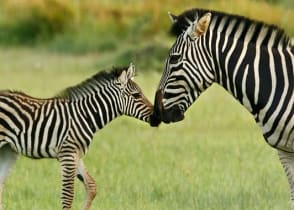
(173, 114)
(155, 118)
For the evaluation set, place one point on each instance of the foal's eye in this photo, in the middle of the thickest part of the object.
(174, 59)
(136, 95)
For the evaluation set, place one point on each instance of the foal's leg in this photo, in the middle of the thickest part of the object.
(69, 163)
(7, 159)
(287, 160)
(89, 184)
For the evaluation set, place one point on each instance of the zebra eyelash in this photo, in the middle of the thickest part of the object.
(136, 95)
(174, 59)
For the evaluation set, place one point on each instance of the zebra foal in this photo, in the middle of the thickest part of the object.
(62, 127)
(252, 60)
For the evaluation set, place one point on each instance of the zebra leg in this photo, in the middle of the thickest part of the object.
(69, 164)
(7, 159)
(287, 160)
(89, 183)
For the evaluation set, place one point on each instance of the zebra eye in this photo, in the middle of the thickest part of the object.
(174, 59)
(136, 95)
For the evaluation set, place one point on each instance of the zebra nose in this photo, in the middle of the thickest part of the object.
(174, 114)
(155, 118)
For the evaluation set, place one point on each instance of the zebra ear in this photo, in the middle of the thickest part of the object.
(123, 78)
(202, 25)
(172, 17)
(126, 75)
(131, 71)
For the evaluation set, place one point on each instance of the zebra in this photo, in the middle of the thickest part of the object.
(252, 60)
(62, 127)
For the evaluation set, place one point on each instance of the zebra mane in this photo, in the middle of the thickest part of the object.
(184, 21)
(83, 88)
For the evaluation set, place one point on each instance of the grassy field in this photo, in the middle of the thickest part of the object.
(216, 159)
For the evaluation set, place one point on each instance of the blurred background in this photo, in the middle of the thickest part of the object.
(215, 159)
(119, 30)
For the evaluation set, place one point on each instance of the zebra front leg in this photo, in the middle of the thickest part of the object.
(7, 159)
(68, 170)
(287, 160)
(89, 183)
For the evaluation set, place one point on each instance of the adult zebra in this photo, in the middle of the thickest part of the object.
(253, 61)
(63, 127)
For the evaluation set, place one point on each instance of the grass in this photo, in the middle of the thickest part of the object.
(216, 159)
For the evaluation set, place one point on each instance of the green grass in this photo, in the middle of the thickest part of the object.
(215, 159)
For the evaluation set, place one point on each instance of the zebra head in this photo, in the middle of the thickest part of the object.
(133, 101)
(187, 70)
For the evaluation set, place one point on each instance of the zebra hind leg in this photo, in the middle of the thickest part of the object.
(89, 184)
(7, 160)
(287, 160)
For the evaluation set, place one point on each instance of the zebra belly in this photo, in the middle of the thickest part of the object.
(38, 148)
(282, 137)
(33, 144)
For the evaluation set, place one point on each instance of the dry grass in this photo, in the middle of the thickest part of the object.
(126, 12)
(277, 14)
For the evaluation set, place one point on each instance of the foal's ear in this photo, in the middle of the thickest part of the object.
(202, 25)
(131, 71)
(126, 75)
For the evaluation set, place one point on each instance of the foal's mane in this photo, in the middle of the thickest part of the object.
(90, 83)
(77, 91)
(184, 19)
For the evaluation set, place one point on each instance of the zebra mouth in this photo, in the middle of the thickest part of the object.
(173, 114)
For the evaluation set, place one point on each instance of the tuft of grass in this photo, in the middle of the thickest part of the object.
(89, 39)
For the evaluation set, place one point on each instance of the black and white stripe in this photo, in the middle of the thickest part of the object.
(252, 60)
(63, 127)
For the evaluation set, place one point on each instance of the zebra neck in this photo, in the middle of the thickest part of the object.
(251, 60)
(261, 78)
(240, 70)
(96, 111)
